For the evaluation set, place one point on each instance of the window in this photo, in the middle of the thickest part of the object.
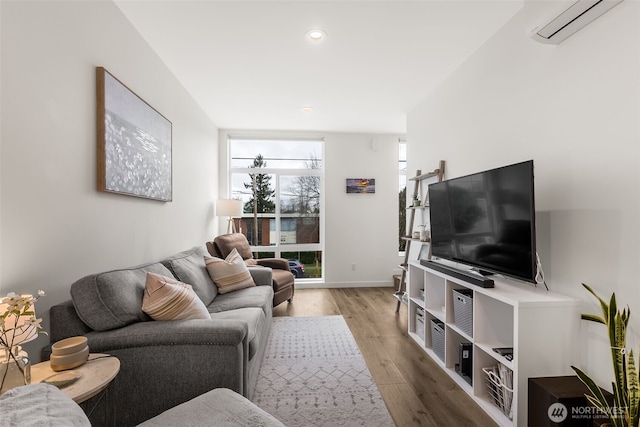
(280, 184)
(402, 195)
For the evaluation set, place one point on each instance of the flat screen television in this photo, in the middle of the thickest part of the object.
(487, 221)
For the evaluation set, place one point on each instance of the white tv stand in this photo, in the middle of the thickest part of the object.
(542, 327)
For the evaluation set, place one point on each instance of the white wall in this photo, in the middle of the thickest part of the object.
(360, 229)
(55, 226)
(573, 109)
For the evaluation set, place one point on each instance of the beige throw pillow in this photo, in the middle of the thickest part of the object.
(167, 299)
(230, 274)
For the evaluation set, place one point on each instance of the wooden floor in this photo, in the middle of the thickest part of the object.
(416, 390)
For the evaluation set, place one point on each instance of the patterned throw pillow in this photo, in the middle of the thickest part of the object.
(167, 299)
(230, 274)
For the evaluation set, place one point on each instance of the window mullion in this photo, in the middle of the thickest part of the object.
(278, 231)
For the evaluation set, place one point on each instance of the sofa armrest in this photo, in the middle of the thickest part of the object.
(261, 275)
(275, 263)
(166, 363)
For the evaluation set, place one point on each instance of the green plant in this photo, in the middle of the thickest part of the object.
(626, 385)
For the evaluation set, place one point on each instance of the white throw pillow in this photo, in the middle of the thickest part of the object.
(167, 299)
(230, 274)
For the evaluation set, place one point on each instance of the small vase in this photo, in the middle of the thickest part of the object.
(15, 368)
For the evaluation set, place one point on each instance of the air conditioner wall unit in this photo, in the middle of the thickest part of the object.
(571, 20)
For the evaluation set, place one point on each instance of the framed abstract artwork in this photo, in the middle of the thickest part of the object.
(134, 149)
(361, 185)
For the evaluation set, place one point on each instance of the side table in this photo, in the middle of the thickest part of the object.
(96, 375)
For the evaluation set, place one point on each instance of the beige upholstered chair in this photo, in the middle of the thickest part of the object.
(282, 278)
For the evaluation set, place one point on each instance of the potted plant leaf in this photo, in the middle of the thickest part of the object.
(623, 412)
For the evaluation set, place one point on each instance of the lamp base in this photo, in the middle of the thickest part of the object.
(231, 225)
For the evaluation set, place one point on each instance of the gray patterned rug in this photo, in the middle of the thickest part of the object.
(313, 374)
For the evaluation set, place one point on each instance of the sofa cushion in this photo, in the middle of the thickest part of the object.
(113, 299)
(167, 299)
(220, 407)
(256, 296)
(225, 243)
(189, 267)
(262, 276)
(229, 274)
(254, 318)
(40, 405)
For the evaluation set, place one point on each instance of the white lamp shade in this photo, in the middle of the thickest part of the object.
(24, 332)
(229, 208)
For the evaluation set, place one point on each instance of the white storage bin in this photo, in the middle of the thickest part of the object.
(463, 310)
(420, 322)
(437, 338)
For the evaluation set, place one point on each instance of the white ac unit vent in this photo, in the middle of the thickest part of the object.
(571, 20)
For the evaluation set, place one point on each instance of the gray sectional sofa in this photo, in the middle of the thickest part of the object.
(166, 363)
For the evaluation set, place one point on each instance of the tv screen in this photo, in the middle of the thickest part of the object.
(487, 220)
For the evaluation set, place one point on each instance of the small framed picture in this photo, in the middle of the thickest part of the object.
(361, 185)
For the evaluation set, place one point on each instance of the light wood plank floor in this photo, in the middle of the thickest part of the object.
(417, 392)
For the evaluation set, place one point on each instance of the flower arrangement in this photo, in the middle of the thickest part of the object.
(18, 325)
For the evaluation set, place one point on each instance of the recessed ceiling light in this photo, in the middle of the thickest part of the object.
(316, 35)
(307, 109)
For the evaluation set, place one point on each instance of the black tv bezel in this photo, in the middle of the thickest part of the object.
(482, 267)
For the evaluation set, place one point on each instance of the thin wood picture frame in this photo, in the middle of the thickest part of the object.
(134, 143)
(361, 185)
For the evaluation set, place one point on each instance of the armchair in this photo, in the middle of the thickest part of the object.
(283, 280)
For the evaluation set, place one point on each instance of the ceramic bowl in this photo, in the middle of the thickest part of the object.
(69, 346)
(61, 362)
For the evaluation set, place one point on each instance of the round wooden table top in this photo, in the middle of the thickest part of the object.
(85, 381)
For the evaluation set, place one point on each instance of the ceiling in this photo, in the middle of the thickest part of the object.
(249, 65)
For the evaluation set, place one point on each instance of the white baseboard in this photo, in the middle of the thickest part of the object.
(333, 285)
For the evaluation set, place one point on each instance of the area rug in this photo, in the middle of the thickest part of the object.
(313, 374)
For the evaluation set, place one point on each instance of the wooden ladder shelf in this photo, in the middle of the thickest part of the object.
(438, 174)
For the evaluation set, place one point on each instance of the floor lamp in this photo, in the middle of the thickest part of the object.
(229, 208)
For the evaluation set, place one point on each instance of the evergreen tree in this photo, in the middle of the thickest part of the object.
(261, 198)
(262, 195)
